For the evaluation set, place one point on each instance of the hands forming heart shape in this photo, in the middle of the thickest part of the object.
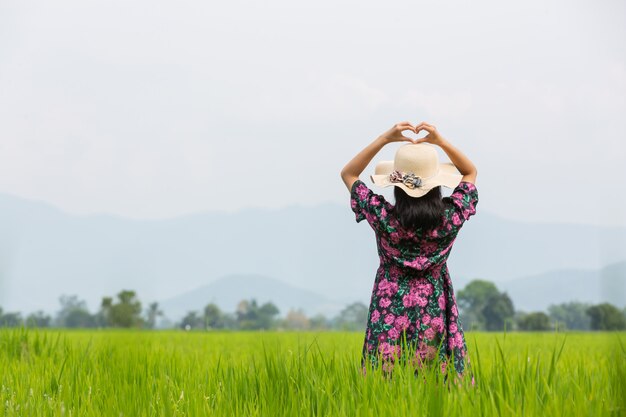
(396, 133)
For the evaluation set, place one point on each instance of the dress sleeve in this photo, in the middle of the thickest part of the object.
(464, 200)
(365, 203)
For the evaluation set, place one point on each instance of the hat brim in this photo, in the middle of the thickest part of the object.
(449, 176)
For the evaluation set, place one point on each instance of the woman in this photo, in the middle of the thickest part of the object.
(413, 312)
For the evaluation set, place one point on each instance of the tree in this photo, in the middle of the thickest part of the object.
(353, 317)
(213, 317)
(74, 313)
(192, 321)
(319, 322)
(472, 300)
(537, 320)
(606, 316)
(267, 315)
(38, 319)
(152, 313)
(497, 311)
(297, 320)
(10, 319)
(125, 313)
(251, 317)
(572, 315)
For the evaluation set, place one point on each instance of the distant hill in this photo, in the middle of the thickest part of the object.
(45, 252)
(227, 291)
(537, 292)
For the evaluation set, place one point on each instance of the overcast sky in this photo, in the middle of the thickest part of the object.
(159, 108)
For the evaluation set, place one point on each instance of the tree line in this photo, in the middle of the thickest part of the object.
(482, 307)
(126, 311)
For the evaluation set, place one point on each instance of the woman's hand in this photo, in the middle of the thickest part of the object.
(433, 136)
(395, 133)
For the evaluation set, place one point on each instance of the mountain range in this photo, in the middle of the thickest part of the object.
(316, 250)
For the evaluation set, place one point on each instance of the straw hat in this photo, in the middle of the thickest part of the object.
(416, 169)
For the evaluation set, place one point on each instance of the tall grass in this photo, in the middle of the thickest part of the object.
(171, 373)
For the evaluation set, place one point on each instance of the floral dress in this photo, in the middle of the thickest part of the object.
(412, 299)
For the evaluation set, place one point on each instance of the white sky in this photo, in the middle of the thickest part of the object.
(158, 108)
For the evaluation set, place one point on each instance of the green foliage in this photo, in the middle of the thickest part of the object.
(172, 373)
(251, 316)
(572, 315)
(498, 312)
(536, 321)
(125, 313)
(472, 300)
(152, 313)
(606, 316)
(352, 317)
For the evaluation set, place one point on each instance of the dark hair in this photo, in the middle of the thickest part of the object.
(419, 212)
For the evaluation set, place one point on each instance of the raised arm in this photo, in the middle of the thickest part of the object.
(350, 173)
(458, 158)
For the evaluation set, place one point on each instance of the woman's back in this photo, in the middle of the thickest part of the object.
(414, 248)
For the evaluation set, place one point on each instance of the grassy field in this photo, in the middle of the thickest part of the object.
(174, 373)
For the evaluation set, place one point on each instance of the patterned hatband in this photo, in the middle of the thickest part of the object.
(407, 178)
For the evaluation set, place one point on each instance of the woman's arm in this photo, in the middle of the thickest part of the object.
(458, 158)
(350, 173)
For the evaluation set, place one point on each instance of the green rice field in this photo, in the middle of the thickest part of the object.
(175, 373)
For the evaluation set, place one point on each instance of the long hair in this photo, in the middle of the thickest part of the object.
(419, 212)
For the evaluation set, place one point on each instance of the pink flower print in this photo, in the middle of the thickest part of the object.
(383, 213)
(394, 273)
(455, 312)
(456, 220)
(425, 288)
(384, 302)
(443, 367)
(388, 350)
(451, 343)
(426, 319)
(458, 337)
(429, 247)
(393, 333)
(402, 322)
(436, 273)
(375, 316)
(420, 262)
(437, 323)
(442, 302)
(453, 328)
(374, 201)
(422, 302)
(389, 249)
(386, 287)
(353, 204)
(427, 352)
(388, 366)
(382, 337)
(409, 300)
(429, 333)
(395, 237)
(389, 318)
(362, 191)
